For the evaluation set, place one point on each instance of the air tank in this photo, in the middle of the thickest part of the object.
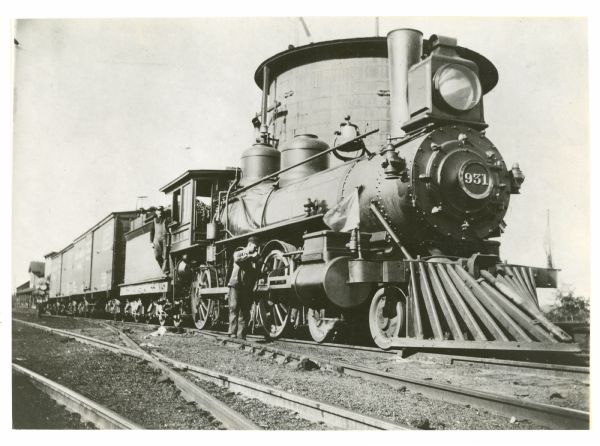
(259, 161)
(301, 148)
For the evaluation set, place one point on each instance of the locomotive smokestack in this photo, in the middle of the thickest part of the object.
(405, 47)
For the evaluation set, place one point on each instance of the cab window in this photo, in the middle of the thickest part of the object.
(177, 205)
(186, 214)
(203, 201)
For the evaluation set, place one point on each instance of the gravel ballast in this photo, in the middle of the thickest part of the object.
(374, 399)
(568, 390)
(122, 384)
(151, 393)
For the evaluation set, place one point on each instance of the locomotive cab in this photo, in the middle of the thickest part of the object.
(194, 196)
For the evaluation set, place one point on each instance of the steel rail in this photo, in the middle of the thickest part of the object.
(452, 359)
(230, 418)
(90, 411)
(557, 368)
(310, 409)
(305, 342)
(545, 414)
(257, 337)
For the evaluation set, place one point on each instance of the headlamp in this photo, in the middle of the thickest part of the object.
(458, 86)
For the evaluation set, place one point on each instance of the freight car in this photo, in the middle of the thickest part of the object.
(85, 274)
(385, 225)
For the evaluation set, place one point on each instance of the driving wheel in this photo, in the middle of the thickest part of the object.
(203, 309)
(274, 311)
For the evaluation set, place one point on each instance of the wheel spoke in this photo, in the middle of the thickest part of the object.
(278, 313)
(274, 314)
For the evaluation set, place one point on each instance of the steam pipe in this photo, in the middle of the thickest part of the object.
(405, 47)
(264, 129)
(390, 231)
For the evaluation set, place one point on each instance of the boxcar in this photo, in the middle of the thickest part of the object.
(91, 267)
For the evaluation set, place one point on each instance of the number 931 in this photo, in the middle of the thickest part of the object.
(476, 178)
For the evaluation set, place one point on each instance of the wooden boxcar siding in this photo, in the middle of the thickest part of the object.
(123, 224)
(102, 257)
(82, 257)
(140, 264)
(66, 279)
(55, 275)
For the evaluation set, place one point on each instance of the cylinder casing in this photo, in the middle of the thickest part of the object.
(323, 284)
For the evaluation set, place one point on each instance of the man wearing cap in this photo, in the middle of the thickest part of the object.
(241, 285)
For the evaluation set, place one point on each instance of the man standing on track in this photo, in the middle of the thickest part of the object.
(241, 285)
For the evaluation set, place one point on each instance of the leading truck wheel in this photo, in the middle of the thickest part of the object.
(319, 326)
(387, 316)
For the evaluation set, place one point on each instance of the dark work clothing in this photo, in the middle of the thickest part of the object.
(161, 254)
(244, 272)
(159, 236)
(241, 286)
(159, 228)
(240, 303)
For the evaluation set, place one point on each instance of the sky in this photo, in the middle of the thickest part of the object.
(109, 110)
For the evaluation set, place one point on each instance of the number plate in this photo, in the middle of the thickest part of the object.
(475, 179)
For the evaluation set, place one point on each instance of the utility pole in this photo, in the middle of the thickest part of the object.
(138, 199)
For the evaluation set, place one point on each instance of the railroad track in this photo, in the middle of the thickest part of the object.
(525, 365)
(90, 411)
(545, 414)
(310, 409)
(559, 368)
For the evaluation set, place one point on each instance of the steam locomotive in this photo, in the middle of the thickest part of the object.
(383, 226)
